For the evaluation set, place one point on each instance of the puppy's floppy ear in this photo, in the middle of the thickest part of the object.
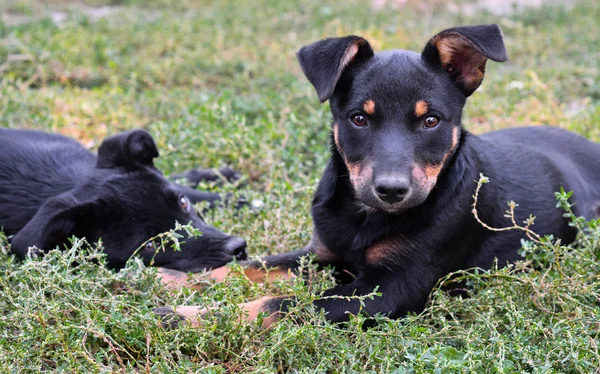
(135, 147)
(324, 62)
(55, 221)
(463, 51)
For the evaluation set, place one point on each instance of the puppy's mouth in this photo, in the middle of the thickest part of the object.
(395, 208)
(370, 203)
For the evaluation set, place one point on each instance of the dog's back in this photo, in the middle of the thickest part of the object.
(35, 166)
(571, 161)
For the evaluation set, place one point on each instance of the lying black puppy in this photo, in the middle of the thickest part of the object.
(51, 188)
(394, 206)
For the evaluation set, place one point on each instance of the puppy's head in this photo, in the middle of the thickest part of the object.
(124, 202)
(397, 114)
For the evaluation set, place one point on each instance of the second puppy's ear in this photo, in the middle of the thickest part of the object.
(463, 51)
(135, 147)
(58, 219)
(323, 62)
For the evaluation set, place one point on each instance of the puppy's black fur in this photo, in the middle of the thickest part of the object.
(51, 188)
(393, 207)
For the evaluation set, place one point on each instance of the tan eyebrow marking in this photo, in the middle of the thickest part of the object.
(421, 108)
(369, 107)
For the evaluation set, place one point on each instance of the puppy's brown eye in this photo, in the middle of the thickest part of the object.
(149, 246)
(183, 202)
(432, 121)
(358, 119)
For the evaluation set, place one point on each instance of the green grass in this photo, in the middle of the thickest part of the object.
(216, 82)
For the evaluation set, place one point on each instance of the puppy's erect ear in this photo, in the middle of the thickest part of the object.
(463, 51)
(135, 147)
(55, 221)
(324, 62)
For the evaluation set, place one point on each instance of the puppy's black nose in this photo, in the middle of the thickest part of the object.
(237, 248)
(391, 189)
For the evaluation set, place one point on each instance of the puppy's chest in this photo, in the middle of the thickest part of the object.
(388, 251)
(373, 244)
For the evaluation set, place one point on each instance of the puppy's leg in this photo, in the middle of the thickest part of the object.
(196, 196)
(267, 269)
(176, 279)
(257, 272)
(194, 177)
(282, 266)
(248, 312)
(398, 296)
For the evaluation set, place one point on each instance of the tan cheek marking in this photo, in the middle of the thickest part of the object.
(421, 108)
(359, 174)
(420, 175)
(354, 170)
(369, 107)
(432, 171)
(379, 252)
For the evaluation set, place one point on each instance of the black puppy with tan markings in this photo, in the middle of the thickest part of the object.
(394, 206)
(51, 188)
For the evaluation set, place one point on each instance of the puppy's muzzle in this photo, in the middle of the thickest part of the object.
(236, 247)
